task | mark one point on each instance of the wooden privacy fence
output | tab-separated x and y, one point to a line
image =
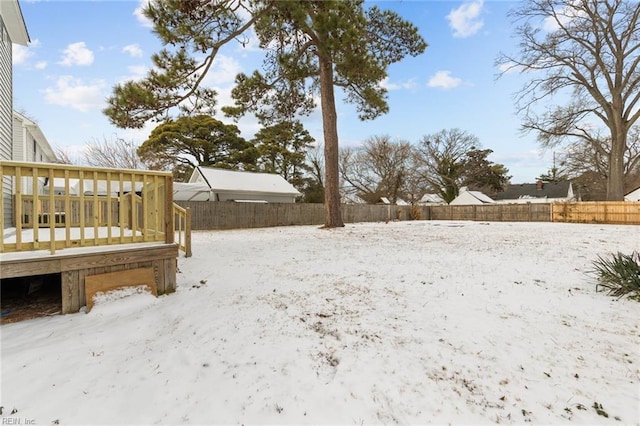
613	212
209	215
55	206
531	212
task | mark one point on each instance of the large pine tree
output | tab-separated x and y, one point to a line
312	46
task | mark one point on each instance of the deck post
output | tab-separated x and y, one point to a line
169	227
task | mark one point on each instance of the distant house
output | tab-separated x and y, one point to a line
633	195
238	186
466	197
89	187
29	143
539	192
428	199
12	30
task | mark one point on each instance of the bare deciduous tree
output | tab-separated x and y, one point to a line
586	163
588	50
376	169
115	153
442	156
62	155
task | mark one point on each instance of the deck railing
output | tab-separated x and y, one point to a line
182	221
56	206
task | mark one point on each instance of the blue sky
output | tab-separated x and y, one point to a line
80	49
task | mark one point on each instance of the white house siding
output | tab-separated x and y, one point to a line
6	93
18	141
29	143
6	108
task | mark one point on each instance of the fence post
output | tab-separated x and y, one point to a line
187	233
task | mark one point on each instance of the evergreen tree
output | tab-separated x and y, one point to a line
312	47
198	141
282	148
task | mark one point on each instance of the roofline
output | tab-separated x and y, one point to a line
242	191
37	134
633	190
14	22
199	169
202	175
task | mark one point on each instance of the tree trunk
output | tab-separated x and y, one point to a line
615	177
333	217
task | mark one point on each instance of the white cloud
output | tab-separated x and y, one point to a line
146	22
133	50
563	16
20	54
223	71
74	93
40	65
408	84
512	67
444	80
77	54
465	20
137	72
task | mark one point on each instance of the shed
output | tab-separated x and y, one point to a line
241	186
466	197
183	191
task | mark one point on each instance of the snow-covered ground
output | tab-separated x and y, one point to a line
408	322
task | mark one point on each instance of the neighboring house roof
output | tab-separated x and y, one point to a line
37	134
14	22
537	190
431	199
471	197
183	191
633	195
223	180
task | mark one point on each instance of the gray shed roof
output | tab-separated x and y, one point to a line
530	190
223	180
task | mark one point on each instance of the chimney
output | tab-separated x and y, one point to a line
539	185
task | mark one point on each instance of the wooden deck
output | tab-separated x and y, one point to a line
74	265
68	222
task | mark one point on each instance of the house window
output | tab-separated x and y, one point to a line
35	150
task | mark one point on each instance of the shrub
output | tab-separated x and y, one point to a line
619	274
415	212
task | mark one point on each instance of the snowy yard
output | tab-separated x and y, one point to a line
408	322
